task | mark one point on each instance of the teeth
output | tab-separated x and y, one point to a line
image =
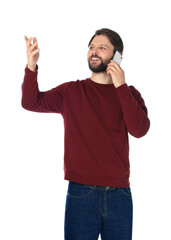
95	59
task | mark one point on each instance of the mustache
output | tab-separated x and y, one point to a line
95	56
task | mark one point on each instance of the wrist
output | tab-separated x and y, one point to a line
120	85
116	84
32	67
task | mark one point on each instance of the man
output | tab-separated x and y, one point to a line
98	113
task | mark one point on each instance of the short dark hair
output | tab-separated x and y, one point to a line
113	37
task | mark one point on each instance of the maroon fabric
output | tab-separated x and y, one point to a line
97	120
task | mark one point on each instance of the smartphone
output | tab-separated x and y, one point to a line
117	58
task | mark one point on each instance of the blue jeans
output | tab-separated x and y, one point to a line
93	210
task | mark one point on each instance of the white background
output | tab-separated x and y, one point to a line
32	185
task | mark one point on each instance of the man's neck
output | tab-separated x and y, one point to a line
101	77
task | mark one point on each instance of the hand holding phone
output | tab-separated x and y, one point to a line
116	72
117	58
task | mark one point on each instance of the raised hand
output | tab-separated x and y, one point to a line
32	52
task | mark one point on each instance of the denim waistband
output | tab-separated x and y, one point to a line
95	186
99	187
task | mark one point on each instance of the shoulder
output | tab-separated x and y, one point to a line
68	87
76	83
134	91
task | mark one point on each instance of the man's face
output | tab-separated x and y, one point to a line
100	53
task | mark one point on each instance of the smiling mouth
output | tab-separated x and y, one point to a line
95	59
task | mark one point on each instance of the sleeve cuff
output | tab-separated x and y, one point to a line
121	89
31	72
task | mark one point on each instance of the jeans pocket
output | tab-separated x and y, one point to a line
76	190
126	191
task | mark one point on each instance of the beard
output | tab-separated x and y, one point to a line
99	67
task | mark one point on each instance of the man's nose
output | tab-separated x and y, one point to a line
94	51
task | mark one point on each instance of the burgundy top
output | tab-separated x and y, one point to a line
97	119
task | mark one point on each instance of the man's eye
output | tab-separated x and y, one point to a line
103	48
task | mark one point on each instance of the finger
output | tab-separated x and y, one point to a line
109	71
34	39
28	42
32	48
113	63
26	39
34	52
109	68
112	68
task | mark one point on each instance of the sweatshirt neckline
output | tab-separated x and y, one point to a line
99	84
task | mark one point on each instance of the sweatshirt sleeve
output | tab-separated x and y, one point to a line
51	101
134	110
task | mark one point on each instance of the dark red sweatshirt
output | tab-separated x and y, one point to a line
97	119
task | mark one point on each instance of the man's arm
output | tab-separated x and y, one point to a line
134	110
133	106
32	98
